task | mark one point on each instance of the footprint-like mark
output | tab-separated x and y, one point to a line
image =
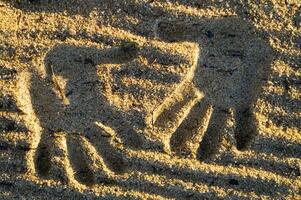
69	100
233	63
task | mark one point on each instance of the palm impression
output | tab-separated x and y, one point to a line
231	66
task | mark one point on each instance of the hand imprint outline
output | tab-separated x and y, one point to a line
70	107
231	67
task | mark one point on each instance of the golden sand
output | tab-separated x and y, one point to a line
162	99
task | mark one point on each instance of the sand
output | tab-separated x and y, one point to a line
162	99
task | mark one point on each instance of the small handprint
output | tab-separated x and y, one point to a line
231	68
72	111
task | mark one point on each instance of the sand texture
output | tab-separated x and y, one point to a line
144	99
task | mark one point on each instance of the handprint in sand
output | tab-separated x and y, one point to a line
78	124
232	63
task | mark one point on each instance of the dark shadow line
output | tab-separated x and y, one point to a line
148	74
280	168
8	104
21	187
288	121
9	125
285	102
258	186
156	55
138	91
171	191
280	148
7	73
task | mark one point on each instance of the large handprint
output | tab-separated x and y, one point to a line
72	111
231	68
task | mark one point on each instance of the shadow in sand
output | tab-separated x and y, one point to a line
8	104
284	101
9	125
280	148
69	100
19	190
281	168
227	181
233	64
7	73
286	121
133	185
169	191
